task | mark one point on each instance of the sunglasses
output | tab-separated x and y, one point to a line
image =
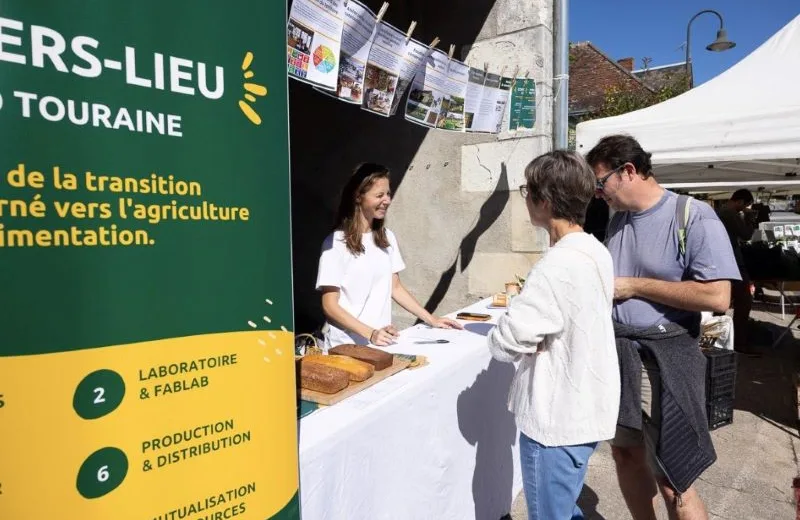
600	184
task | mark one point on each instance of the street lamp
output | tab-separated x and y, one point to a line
722	43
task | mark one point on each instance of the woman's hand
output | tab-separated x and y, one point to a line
384	336
444	323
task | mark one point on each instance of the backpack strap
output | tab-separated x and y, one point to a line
682	217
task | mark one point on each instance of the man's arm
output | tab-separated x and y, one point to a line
690	295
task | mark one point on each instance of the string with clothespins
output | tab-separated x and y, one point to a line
382	12
410	30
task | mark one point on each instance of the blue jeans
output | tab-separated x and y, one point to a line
553	478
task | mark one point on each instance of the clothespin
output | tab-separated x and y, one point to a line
514	77
452	51
435	42
485	67
382	12
503	70
410	30
527	73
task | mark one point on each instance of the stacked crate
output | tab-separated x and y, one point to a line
720	386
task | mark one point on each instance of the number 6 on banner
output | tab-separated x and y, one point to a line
102	472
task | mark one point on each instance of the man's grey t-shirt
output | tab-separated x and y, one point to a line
645	245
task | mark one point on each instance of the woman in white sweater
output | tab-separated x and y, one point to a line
565	394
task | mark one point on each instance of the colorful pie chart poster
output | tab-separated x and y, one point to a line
313	41
146	345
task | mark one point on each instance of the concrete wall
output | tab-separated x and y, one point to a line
462	226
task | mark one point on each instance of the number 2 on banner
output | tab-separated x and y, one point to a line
99	393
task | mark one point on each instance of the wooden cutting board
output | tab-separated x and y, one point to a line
353	388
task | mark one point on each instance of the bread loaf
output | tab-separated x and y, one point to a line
356	370
377	358
321	378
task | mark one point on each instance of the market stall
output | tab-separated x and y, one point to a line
740	127
435	441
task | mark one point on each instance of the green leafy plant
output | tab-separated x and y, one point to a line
621	101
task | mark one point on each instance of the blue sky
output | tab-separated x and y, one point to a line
623	28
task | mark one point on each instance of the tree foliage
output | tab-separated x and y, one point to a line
621	101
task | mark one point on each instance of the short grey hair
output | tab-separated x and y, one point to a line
565	180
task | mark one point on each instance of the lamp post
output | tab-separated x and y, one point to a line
722	43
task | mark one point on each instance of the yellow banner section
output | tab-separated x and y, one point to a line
197	428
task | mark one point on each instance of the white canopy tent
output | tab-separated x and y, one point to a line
741	128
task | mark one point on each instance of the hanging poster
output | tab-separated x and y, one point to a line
492	107
428	90
359	31
472	103
393	61
451	111
146	359
522	106
313	39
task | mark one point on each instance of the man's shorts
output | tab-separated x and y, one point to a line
651	406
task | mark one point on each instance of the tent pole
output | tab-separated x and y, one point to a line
561	76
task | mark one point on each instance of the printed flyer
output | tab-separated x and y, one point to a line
393	61
428	90
473	115
494	97
451	110
522	106
313	40
359	31
146	365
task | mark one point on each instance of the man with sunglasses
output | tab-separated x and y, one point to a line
663	281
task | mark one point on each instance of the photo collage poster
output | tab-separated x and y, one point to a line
392	64
360	27
313	37
438	93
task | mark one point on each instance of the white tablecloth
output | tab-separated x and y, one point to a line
433	443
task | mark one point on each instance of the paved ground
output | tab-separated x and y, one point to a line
757	454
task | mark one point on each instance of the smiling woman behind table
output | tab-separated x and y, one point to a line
359	266
565	394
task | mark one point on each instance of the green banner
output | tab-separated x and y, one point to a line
146	361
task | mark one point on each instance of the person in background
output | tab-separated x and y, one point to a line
565	394
664	280
360	264
739	221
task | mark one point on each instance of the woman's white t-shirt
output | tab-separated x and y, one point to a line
364	282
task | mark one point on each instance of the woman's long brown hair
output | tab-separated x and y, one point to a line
364	176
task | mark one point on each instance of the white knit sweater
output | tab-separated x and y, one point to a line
566	389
